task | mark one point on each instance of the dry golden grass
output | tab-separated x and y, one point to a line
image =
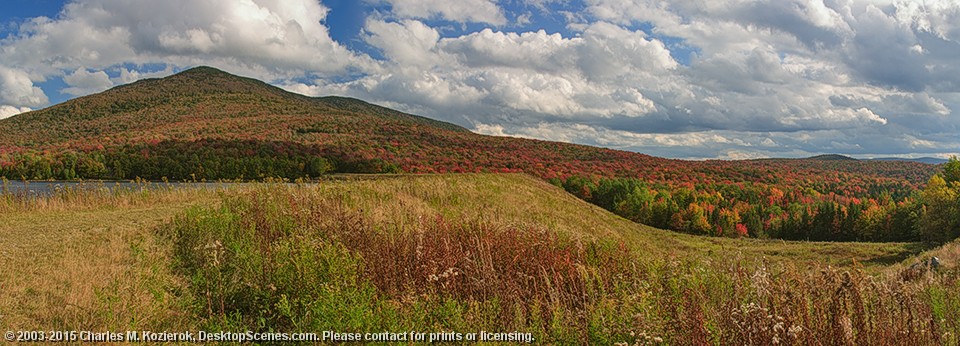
90	261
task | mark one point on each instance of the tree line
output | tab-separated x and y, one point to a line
893	213
189	160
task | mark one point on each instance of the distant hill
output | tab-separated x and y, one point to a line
838	157
831	157
927	160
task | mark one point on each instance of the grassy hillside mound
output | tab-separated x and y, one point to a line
509	253
519	200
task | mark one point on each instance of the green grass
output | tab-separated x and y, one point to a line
437	253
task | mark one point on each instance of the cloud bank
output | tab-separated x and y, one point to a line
688	78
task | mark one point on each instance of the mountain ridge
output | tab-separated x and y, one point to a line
124	105
204	110
831	157
926	160
840	157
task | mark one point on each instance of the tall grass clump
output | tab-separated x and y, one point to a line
312	258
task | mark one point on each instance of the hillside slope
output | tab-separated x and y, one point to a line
197	100
524	201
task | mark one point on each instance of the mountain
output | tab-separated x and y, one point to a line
207	123
204	123
838	157
151	108
831	157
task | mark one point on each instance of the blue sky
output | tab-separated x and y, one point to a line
693	79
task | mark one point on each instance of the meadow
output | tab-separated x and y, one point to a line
454	252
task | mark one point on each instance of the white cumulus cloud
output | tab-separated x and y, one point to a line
476	11
264	38
83	82
7	111
17	89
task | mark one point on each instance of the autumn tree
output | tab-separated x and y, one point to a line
941	222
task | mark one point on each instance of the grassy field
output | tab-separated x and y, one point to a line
466	253
86	260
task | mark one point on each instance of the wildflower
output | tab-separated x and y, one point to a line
847	327
794	331
216	251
